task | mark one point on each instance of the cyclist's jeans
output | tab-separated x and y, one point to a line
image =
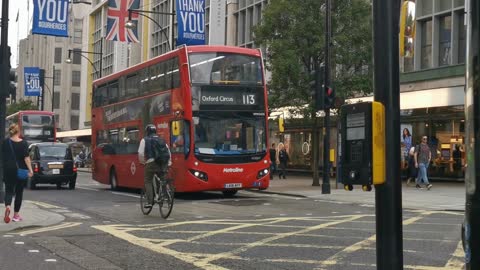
150	169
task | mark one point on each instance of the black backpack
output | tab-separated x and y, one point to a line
160	150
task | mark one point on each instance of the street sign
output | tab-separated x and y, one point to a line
32	81
50	17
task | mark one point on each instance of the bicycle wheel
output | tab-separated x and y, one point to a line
167	195
143	201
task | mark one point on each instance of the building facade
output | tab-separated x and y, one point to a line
64	87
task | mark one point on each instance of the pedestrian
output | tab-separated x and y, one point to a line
411	170
423	155
17	150
283	158
273	160
457	158
407	143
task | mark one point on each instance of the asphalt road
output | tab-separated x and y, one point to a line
106	230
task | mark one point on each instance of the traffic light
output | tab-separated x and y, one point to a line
329	100
281	125
316	86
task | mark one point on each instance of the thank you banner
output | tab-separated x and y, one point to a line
50	17
32	81
191	22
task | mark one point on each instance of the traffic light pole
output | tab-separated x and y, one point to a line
4	82
388	196
326	119
471	226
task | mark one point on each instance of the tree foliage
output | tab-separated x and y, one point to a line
21	105
293	31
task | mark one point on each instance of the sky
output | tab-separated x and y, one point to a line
18	30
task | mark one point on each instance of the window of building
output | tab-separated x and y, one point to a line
442	5
78	23
57	119
75	101
77	57
74	119
58	55
462	38
58	77
425	7
426	43
76	75
77	36
56	101
445	41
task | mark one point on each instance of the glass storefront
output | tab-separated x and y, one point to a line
444	127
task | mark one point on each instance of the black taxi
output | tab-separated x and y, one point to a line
52	163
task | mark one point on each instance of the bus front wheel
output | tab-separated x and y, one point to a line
229	193
113	180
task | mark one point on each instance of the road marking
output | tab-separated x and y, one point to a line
46	205
457	261
19	243
8	235
52	228
51	260
77	215
90	189
33	251
125	194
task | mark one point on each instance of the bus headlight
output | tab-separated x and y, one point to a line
199	174
262	173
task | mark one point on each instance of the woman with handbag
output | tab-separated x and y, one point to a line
17	169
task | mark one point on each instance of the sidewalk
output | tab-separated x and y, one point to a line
443	195
32	216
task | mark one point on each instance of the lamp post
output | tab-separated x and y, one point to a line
130	24
69	59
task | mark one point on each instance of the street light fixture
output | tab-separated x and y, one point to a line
69	59
130	24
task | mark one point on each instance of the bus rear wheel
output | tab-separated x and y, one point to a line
229	193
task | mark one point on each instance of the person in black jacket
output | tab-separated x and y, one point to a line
283	158
19	157
273	160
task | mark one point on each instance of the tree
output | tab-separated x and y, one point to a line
21	105
293	31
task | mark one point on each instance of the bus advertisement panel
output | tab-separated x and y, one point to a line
35	126
210	105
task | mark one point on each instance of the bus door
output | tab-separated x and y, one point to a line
180	148
127	165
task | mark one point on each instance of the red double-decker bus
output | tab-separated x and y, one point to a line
208	102
35	126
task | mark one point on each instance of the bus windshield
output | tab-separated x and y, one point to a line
38	127
229	133
225	68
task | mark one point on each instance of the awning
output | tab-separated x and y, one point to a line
74	133
439	97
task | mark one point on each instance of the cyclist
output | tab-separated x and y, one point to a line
145	156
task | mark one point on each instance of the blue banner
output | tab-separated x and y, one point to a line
32	81
191	22
50	17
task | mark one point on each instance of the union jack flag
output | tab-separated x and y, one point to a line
117	18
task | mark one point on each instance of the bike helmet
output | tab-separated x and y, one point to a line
150	130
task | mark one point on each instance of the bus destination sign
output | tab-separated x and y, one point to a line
228	99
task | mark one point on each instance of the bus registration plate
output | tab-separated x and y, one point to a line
233	185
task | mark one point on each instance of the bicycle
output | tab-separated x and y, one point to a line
164	192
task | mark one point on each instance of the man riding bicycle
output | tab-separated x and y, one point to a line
146	155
